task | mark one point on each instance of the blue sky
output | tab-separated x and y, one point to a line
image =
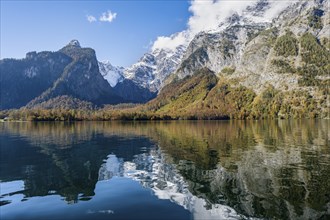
49	25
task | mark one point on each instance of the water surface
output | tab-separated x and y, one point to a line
165	170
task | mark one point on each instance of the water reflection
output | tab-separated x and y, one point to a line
231	169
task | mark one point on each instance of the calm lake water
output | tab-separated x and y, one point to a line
165	170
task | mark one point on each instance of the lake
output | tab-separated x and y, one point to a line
276	169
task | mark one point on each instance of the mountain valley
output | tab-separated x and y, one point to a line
255	64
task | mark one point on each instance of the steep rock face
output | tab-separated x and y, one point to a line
282	44
72	73
250	47
241	47
217	50
111	73
224	46
22	80
278	55
129	90
152	69
80	79
214	49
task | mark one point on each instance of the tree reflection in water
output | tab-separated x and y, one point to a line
267	169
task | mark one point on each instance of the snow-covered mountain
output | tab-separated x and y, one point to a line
272	47
151	70
225	45
125	87
111	73
236	40
244	42
163	60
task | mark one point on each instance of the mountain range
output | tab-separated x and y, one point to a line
269	52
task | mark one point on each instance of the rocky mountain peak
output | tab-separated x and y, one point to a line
31	55
259	8
112	74
74	43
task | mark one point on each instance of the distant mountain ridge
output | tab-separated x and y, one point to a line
225	46
242	45
153	68
274	46
130	90
71	75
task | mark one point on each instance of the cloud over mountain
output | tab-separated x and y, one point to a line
208	14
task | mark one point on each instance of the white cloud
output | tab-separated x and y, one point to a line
108	16
277	7
90	18
172	41
208	14
149	45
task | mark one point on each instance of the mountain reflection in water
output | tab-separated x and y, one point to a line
226	169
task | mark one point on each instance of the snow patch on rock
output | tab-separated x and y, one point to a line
111	73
